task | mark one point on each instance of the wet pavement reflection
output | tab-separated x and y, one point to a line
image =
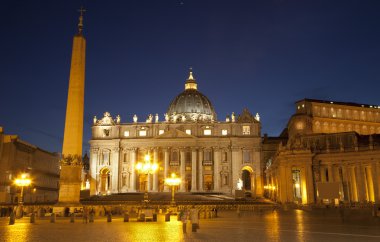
293	225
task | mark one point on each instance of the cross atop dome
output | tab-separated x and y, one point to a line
190	82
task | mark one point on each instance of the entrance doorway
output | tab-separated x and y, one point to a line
105	180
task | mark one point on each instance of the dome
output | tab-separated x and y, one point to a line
191	105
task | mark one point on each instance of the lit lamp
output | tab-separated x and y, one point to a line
173	181
22	182
146	168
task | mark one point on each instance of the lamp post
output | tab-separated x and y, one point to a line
22	182
173	181
146	168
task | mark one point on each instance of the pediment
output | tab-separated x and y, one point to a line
174	133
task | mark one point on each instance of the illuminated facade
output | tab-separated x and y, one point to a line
332	155
42	167
208	155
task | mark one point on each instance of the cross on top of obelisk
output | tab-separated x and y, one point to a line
80	24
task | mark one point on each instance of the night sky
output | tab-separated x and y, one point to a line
263	55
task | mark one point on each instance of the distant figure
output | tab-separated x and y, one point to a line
85	215
183	217
194	218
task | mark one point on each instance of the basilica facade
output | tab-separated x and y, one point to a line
208	155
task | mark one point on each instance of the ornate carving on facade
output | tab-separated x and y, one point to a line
246	117
71	160
105	121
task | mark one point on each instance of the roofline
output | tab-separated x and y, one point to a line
339	103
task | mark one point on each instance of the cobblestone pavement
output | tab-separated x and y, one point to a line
293	225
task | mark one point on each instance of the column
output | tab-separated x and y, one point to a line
132	183
310	184
193	170
330	172
360	183
166	168
282	184
114	159
183	171
235	165
155	175
289	184
376	181
370	184
200	170
93	170
217	161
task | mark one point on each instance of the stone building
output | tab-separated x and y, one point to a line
208	155
42	167
332	155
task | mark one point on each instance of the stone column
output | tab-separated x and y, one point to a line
330	172
236	160
217	161
376	181
132	183
114	159
370	184
289	184
193	170
166	168
310	184
183	171
94	169
155	175
200	170
360	184
282	184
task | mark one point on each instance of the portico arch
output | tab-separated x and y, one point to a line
104	180
248	178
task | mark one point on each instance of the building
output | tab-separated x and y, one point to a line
42	167
332	155
208	155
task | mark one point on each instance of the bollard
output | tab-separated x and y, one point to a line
109	217
167	217
194	227
155	217
126	217
72	218
52	218
91	217
12	218
32	218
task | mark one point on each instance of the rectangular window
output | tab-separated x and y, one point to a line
188	131
161	131
126	133
142	133
246	129
224	132
207	132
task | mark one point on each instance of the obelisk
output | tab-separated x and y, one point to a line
71	162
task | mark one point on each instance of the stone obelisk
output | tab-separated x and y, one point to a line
71	162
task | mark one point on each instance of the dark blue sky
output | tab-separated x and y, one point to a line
263	55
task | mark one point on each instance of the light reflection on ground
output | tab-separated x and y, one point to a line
268	226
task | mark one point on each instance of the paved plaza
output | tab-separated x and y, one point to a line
292	225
